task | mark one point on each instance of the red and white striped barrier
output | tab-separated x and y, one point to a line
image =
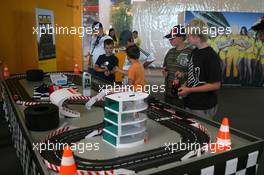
56	168
94	133
198	125
52	166
58	131
80	97
30	103
19	76
83	172
65	73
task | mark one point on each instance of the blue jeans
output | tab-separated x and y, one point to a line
208	113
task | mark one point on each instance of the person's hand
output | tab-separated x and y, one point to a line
104	67
88	55
184	91
117	69
107	73
176	83
165	72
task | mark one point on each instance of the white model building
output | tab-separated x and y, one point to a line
125	124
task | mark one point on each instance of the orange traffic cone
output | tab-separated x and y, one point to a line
68	166
6	73
223	140
77	70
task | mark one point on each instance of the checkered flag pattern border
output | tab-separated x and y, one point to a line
245	165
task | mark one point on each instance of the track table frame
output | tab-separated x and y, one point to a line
32	162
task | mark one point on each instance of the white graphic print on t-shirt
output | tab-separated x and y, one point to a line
194	75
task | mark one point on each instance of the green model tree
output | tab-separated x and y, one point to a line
122	17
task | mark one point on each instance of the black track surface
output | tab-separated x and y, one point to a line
138	161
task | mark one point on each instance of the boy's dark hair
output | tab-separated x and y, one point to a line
124	37
136	32
108	42
97	24
133	52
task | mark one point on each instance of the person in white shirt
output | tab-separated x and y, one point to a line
97	43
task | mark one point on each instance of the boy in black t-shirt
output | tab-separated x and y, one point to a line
106	63
204	74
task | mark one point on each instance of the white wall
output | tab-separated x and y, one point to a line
105	13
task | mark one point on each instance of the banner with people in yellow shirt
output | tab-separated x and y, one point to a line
238	45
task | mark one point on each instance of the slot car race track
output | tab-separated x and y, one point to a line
190	131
